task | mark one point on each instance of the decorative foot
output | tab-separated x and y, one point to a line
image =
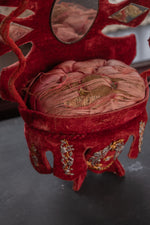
77	183
117	168
137	141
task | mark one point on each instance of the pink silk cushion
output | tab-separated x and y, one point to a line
85	88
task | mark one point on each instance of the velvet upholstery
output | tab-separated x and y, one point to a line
77	143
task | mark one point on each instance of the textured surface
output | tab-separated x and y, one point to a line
93	45
27	197
86	88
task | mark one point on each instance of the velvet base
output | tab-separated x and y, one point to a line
82	147
83	143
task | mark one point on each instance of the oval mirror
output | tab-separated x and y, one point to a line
71	19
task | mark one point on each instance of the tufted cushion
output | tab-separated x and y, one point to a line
86	88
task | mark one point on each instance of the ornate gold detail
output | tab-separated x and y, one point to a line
35	160
100	166
34	156
33	148
117	146
67	159
141	132
103	159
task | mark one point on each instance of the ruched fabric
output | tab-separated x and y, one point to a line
86	88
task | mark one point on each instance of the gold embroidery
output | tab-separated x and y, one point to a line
141	132
99	159
115	144
100	166
67	159
34	155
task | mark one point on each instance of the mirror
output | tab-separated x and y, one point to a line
129	13
70	21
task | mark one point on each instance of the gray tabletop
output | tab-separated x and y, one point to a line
29	198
